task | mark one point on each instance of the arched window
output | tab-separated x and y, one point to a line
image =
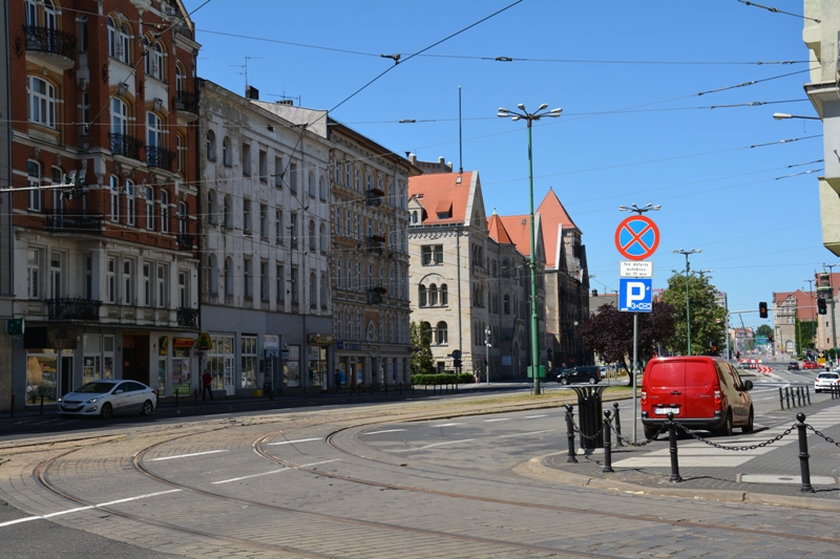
41	104
213	275
112	37
227	155
212	208
325	291
444	295
164	211
422	296
153	59
154	141
120	143
228	277
322	238
322	189
313	241
182	218
311	184
441	334
433	295
119	41
180	80
211	145
313	291
228	212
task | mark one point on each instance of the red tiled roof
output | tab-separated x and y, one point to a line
442	196
518	228
805	303
554	219
496	230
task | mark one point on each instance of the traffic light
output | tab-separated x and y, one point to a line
762	309
821	306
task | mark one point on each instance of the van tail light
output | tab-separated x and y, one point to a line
644	396
717	396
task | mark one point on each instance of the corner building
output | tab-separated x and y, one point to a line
105	267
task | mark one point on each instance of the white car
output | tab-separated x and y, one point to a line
106	397
826	381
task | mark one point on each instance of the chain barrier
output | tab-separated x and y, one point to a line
823	435
618	435
719	446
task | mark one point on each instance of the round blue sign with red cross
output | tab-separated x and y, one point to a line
637	237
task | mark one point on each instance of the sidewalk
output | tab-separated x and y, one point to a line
760	467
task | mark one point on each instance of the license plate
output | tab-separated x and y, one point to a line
666	411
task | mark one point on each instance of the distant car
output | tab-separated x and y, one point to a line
810	365
107	397
793	366
584	373
826	381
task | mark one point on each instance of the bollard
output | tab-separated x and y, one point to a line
804	469
607	443
781	398
787	395
617	425
798	394
672	442
570	434
808	394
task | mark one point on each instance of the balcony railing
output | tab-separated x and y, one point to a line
78	221
73	309
186	101
123	144
159	157
185	241
49	40
187	317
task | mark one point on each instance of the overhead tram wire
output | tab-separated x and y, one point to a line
776	10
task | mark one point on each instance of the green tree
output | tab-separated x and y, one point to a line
420	337
764	330
609	332
708	319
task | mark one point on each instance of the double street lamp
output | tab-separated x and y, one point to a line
686	253
530	117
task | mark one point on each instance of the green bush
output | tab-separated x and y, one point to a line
441	378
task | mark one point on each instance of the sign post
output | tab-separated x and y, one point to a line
636	238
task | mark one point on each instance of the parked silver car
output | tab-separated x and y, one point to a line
106	397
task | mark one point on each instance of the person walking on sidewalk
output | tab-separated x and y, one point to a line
206	381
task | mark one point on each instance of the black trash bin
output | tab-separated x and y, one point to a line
590	416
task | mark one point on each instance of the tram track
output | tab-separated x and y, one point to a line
44	469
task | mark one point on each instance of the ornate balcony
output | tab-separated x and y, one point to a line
186	103
73	309
75	221
159	157
56	46
123	144
187	317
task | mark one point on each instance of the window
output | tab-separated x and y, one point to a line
88	288
247	273
182	218
150	208
164	211
263	221
325	290
313	291
441	334
444	295
246	216
311	184
227	212
322	238
433	295
162	280
180	154
228	277
33	273
147	285
124	45
248	351
281	284
246	160
114	184
41	102
211	145
183	289
263	166
180	80
339	172
293	180
322	189
111	280
31	15
264	284
348	175
278	172
153	59
213	274
293	229
422	296
278	226
293	286
154	140
127	282
227	156
130	203
212	208
431	255
313	240
112	37
33	181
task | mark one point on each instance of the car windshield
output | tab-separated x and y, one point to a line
95	387
829	375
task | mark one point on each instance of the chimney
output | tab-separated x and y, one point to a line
413	158
252	92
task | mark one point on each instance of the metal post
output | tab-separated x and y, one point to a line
808	394
570	435
607	443
781	398
532	264
787	395
487	354
635	370
672	443
804	469
617	424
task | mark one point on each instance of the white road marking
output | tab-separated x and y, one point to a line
186	455
536	416
496	419
447	424
89	507
383	431
295	441
278	470
432	445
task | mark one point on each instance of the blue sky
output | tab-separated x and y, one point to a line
652	112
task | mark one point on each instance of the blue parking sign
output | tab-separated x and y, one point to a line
635	294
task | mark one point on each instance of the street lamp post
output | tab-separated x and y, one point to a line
523	114
686	253
786	116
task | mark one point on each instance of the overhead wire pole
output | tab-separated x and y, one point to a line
532	262
686	253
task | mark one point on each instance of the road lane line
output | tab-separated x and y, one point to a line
186	455
274	471
432	445
295	441
383	431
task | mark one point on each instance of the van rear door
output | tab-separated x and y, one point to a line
701	382
664	389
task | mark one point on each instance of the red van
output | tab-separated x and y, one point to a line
702	392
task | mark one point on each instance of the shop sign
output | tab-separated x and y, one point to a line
204	343
183	342
319	339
